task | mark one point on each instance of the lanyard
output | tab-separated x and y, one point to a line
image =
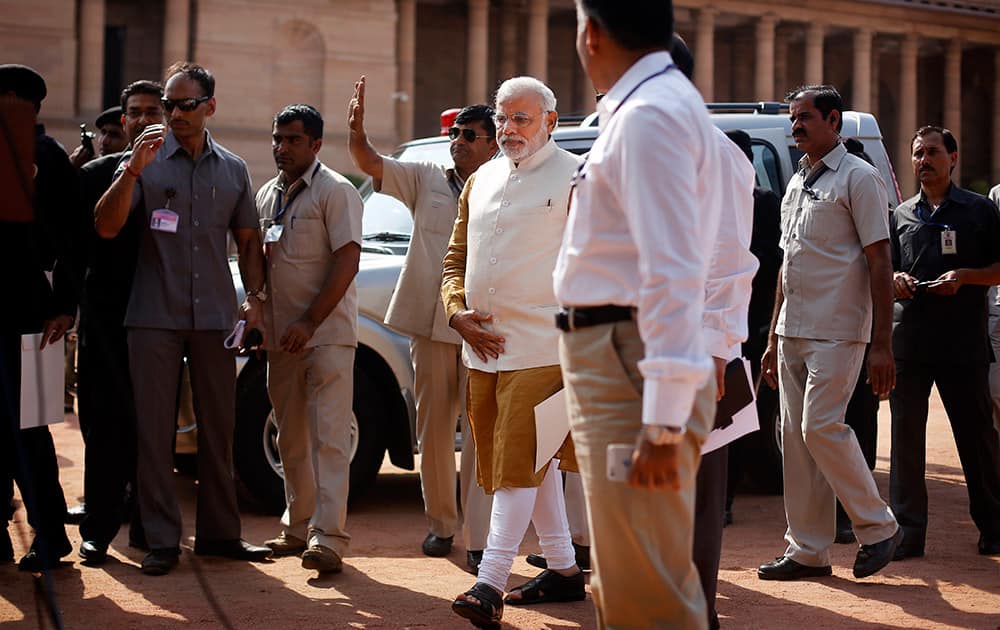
639	85
283	209
925	221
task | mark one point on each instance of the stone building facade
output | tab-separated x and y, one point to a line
910	62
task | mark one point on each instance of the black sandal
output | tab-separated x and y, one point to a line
487	613
549	586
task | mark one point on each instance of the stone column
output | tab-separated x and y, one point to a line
953	97
907	98
704	54
406	42
781	86
996	117
176	32
478	52
538	39
862	80
508	40
814	53
90	89
876	73
764	83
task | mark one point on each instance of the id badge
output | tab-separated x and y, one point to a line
949	244
164	220
273	234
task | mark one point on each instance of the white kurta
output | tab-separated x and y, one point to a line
517	214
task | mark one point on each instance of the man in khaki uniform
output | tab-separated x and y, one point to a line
834	294
311	220
431	192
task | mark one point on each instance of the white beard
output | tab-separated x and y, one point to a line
530	146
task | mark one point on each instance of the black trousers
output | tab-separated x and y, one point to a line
862	417
107	421
709	505
965	393
28	457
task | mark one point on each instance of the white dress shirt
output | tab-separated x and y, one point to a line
731	272
642	228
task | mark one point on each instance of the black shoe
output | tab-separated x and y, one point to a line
549	586
989	547
160	561
582	558
845	536
784	568
872	558
437	547
35	561
233	549
76	514
904	551
93	553
472	561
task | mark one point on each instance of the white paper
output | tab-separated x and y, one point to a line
744	421
551	427
43	382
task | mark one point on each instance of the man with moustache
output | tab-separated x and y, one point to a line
496	291
945	256
631	277
311	220
431	193
106	406
834	294
189	192
111	138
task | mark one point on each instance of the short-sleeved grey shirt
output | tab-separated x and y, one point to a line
182	280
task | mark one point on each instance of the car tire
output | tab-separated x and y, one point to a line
760	451
255	448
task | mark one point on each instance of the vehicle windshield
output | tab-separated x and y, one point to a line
386	218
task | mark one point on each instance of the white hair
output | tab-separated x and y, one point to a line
518	85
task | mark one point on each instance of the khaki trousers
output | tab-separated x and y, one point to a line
576	509
821	457
312	393
439	383
641	540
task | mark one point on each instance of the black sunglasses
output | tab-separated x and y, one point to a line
183	104
469	134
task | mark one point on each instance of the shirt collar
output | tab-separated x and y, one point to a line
172	146
832	159
306	177
952	195
647	65
536	158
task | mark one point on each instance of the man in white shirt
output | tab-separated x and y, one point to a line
498	296
631	276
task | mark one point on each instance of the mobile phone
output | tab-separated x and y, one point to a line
619	461
934	283
86	138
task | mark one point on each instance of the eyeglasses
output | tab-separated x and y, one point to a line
469	134
518	120
183	104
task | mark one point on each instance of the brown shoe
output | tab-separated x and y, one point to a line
285	545
322	559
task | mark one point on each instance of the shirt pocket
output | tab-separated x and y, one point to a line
440	214
305	239
825	220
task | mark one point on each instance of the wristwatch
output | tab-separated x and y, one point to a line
659	435
258	295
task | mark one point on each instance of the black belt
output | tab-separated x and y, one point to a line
571	318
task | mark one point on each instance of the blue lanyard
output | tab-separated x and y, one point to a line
283	209
924	221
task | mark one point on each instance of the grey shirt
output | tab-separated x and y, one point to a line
182	279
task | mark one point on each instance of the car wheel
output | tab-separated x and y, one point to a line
369	448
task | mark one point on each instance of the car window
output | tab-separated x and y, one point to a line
387	215
765	163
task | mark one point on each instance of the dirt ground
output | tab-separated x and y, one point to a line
388	583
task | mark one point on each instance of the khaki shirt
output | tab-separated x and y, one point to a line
823	231
503	252
430	191
322	218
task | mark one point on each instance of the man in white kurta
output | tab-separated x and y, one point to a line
498	295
